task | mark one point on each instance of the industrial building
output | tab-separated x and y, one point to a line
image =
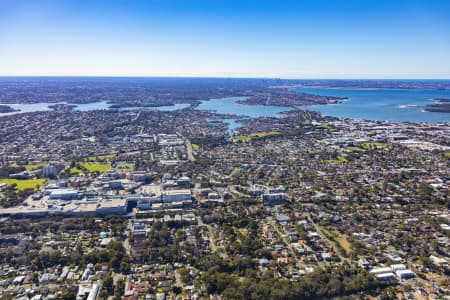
176	195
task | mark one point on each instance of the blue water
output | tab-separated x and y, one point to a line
389	105
221	106
383	104
92	106
230	106
26	108
162	108
232	124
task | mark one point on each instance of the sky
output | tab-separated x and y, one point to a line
226	38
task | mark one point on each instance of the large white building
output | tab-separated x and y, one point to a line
114	206
64	194
176	195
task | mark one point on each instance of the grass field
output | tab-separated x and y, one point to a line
195	146
32	167
125	166
91	167
25	183
339	159
345	244
447	154
75	170
373	145
100	157
263	134
339	240
248	138
242	138
355	149
97	167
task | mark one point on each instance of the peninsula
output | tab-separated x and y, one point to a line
7	109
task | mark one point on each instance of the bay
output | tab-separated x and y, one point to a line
404	105
230	105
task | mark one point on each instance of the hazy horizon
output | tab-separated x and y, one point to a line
222	77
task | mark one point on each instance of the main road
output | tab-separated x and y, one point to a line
188	147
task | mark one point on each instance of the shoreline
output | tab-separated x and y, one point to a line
306	105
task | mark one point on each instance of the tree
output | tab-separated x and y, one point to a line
108	284
68	295
119	289
125	265
177	290
184	275
35	278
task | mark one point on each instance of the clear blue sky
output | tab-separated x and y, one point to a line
279	38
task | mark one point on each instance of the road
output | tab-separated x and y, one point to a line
126	241
178	281
323	236
212	239
188	147
274	225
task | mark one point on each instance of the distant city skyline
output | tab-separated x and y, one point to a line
287	39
